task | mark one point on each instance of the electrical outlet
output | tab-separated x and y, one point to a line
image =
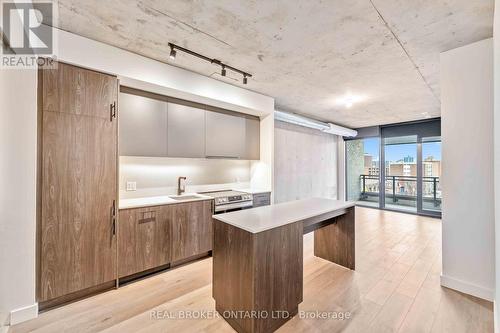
131	186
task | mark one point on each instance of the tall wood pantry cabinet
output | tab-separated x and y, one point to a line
77	183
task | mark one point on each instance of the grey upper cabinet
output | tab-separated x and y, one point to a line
143	126
225	135
186	131
150	126
252	139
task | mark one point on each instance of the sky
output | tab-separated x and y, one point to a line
397	152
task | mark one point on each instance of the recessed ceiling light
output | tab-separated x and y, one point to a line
348	100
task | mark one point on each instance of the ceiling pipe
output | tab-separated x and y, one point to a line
330	128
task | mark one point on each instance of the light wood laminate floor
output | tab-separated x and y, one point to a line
395	288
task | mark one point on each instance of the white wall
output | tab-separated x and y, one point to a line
496	124
18	130
18	146
305	163
262	172
467	174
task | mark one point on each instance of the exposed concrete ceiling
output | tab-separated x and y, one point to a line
305	54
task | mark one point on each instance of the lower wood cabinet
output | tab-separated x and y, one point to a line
155	236
191	229
143	239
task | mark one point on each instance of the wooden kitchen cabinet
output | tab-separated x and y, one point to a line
153	237
191	229
186	131
144	240
77	183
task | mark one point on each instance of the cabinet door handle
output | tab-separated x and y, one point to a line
113	218
147	220
112	111
147	217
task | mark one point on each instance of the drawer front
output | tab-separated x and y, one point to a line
261	199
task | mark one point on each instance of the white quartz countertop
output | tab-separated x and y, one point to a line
260	219
167	200
158	201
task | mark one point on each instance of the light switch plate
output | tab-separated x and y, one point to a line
131	186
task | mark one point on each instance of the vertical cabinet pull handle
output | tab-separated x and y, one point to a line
113	218
112	111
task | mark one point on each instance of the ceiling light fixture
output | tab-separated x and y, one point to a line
174	47
348	100
173	53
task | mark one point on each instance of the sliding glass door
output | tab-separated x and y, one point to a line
400	156
400	169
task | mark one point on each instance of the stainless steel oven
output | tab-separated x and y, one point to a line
228	201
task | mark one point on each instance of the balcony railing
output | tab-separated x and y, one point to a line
401	190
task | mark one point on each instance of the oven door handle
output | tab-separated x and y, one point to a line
243	204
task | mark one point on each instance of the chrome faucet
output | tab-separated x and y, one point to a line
181	186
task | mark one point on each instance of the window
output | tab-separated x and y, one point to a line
409	164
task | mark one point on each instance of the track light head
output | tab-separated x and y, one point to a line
245	80
173	53
223	71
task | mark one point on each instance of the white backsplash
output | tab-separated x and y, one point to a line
156	176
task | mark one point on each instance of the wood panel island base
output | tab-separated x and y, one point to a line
258	258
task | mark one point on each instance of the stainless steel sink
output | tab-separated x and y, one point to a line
185	197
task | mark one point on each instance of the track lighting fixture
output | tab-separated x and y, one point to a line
174	48
173	53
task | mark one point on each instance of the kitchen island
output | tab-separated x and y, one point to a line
258	258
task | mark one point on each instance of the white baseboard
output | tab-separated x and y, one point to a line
23	314
467	288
